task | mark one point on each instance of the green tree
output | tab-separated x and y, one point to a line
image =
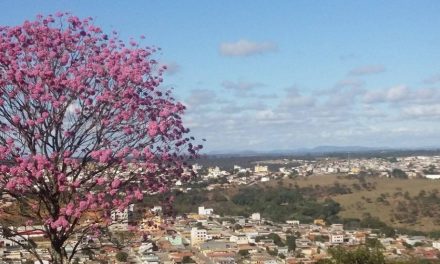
122	256
243	252
373	243
276	239
360	255
238	227
398	173
187	259
291	243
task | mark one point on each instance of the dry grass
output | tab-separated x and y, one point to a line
356	204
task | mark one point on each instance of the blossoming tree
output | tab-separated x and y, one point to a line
84	128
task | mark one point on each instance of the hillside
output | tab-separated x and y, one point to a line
409	204
413	204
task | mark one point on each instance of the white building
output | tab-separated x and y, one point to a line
123	216
436	244
205	211
337	228
196	167
236	167
293	222
214	172
336	238
265	179
198	236
240	240
156	209
256	217
433	176
261	169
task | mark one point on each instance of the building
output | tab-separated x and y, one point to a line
198	236
214	172
240	239
261	169
205	211
196	167
320	222
157	209
337	228
123	216
265	179
337	238
256	217
293	222
433	176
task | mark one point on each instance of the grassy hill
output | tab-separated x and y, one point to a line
410	204
413	204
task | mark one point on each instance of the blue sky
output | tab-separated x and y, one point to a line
263	75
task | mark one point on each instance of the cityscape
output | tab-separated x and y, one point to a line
147	234
219	132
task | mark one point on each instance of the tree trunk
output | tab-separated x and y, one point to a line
58	257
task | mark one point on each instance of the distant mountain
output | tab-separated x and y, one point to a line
315	150
337	149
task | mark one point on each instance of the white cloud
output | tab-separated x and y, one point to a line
372	97
367	70
345	114
426	94
422	110
393	94
245	47
349	82
432	79
294	99
200	97
398	93
241	88
234	108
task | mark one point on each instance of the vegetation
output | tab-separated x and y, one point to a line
276	239
398	173
384	204
291	243
278	204
187	259
382	198
121	256
243	252
365	255
360	255
77	105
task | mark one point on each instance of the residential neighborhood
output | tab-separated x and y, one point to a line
147	235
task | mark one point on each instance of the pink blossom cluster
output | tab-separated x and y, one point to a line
84	124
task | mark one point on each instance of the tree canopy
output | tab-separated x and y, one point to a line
85	127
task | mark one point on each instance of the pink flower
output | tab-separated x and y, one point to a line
111	88
69	209
16	119
138	194
153	129
60	222
83	205
100	181
116	183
